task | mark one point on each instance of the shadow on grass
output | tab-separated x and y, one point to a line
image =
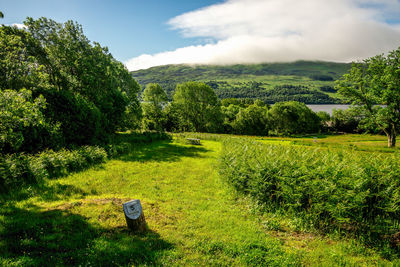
38	237
46	192
162	151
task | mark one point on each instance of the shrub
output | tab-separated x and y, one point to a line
345	189
80	120
17	170
293	118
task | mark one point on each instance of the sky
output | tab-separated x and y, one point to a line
146	33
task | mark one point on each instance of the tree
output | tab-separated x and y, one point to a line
252	120
346	120
229	114
325	119
1	15
155	94
82	67
154	98
23	126
292	118
199	107
20	66
374	84
89	95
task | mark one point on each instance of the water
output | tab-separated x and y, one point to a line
327	107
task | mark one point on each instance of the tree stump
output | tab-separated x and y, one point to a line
134	215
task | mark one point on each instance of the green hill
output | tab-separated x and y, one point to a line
304	81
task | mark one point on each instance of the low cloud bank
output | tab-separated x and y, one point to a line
255	31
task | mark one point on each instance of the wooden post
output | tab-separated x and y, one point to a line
134	215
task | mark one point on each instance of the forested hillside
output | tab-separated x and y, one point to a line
303	81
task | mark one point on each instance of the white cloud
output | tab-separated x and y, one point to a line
254	31
19	26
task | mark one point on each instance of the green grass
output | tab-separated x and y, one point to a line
193	218
359	142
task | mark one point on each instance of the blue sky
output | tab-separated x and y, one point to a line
128	28
146	33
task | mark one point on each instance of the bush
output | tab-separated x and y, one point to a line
17	170
344	189
346	120
293	118
80	120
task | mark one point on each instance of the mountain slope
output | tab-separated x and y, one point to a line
304	81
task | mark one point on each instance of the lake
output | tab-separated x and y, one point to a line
327	107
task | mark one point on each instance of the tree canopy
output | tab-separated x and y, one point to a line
293	118
374	84
86	92
199	107
154	98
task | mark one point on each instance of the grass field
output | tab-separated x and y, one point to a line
193	218
360	142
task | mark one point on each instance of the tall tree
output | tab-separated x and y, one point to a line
1	15
154	98
374	84
88	93
199	107
77	65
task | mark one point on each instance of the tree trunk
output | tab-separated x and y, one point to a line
391	135
391	140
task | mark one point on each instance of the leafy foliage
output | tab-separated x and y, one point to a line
374	84
252	120
329	188
18	170
155	99
346	120
89	95
293	118
23	126
198	106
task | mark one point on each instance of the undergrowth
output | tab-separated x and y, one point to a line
329	190
19	170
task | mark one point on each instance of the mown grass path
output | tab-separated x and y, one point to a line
192	218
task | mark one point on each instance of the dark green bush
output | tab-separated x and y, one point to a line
292	118
17	170
80	120
329	188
